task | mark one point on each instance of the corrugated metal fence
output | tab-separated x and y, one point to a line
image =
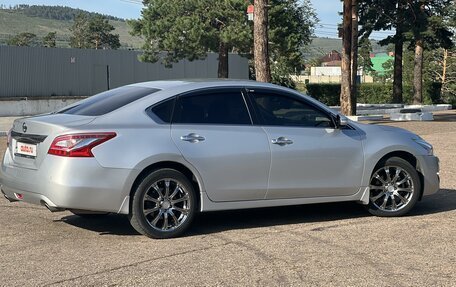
37	71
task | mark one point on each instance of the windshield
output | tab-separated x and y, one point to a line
108	101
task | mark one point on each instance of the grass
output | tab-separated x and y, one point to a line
12	23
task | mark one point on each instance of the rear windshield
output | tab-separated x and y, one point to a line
108	101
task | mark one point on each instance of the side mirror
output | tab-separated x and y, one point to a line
341	121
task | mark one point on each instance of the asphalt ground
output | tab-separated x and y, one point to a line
309	245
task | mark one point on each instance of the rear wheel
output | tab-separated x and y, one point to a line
163	205
394	188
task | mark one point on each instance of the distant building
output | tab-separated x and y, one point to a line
325	71
379	59
330	69
332	59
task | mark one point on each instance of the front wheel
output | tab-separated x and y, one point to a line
394	188
163	205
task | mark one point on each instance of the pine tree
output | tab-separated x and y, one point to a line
49	40
23	39
93	33
189	29
364	60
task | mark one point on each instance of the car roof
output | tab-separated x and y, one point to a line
200	83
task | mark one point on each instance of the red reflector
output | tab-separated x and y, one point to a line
78	145
19	196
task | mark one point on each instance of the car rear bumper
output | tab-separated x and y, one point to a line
65	183
429	167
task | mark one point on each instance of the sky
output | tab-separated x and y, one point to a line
327	11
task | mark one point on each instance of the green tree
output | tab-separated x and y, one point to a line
99	34
375	15
49	40
429	31
189	29
175	30
364	59
419	22
440	64
80	32
291	25
23	39
93	33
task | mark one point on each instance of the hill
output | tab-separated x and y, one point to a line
322	46
40	20
14	21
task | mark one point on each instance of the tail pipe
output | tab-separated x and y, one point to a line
9	199
51	208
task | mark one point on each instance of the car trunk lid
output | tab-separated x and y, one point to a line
32	137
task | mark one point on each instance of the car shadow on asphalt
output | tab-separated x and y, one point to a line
215	222
112	224
445	118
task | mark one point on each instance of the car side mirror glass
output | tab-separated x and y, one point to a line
341	121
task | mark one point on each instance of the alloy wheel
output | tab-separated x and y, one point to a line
391	188
166	204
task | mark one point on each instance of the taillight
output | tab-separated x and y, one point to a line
8	138
78	145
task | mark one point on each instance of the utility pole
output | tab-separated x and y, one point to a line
346	83
260	41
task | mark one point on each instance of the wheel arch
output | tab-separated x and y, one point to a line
192	176
407	156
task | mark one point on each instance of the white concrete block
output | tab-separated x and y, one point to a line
30	106
423	116
366	118
429	108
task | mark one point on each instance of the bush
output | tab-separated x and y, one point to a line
374	93
328	94
434	92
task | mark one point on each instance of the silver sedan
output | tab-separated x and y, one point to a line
162	151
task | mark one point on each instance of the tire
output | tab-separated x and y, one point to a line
395	188
89	214
163	204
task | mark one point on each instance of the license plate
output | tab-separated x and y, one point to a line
28	150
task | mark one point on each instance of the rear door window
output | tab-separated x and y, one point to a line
225	107
108	101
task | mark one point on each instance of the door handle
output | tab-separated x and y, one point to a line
281	141
192	138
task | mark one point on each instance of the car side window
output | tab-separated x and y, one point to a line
162	112
279	110
213	107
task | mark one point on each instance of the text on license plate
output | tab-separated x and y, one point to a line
26	149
